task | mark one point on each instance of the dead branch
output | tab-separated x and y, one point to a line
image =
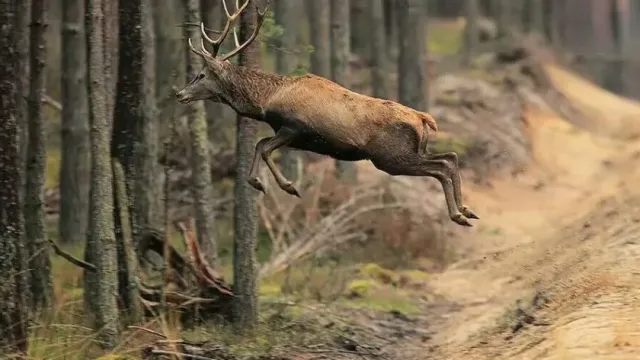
75	261
147	330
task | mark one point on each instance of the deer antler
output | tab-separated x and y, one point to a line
231	18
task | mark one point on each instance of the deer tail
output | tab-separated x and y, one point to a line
431	124
429	120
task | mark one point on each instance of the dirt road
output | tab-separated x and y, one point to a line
553	272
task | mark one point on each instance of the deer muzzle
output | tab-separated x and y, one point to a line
183	97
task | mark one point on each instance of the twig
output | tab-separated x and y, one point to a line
175	353
71	258
147	330
48	100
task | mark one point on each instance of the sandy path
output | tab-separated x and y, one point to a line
561	243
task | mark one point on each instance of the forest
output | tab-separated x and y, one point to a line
132	225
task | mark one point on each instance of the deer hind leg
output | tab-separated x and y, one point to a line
264	148
414	165
452	158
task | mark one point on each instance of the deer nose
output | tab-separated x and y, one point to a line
179	94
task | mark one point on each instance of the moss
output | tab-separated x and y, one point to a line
416	275
379	273
269	289
52	169
444	37
360	287
384	302
449	144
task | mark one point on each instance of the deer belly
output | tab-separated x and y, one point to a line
335	149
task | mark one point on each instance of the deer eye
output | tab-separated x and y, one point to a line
200	76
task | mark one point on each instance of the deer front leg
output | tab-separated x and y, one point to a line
264	148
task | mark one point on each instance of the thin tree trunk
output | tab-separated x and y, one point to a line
361	29
471	37
103	250
340	51
379	51
503	20
13	313
41	292
245	304
411	68
319	15
127	257
75	167
287	16
202	188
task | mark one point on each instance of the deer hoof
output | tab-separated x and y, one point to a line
468	212
461	220
257	184
289	188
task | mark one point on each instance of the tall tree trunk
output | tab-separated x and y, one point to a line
135	136
471	37
24	20
41	292
319	15
359	34
202	188
536	17
411	68
170	63
391	28
219	116
13	313
245	304
75	167
504	9
101	243
340	51
108	15
287	14
379	51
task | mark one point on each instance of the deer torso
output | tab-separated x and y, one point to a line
333	120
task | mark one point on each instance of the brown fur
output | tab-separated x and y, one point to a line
315	114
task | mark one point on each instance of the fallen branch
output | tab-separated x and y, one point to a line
147	330
75	261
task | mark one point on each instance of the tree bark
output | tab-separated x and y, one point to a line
101	242
319	15
287	16
75	167
536	17
379	51
13	285
340	52
245	272
202	188
41	292
411	69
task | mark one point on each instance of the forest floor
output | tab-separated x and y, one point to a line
549	272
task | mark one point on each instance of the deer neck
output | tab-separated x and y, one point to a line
247	90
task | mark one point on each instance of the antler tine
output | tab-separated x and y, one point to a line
261	16
194	50
231	18
235	37
226	10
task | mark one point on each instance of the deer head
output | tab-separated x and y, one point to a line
210	81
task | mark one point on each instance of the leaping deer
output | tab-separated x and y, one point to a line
314	114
